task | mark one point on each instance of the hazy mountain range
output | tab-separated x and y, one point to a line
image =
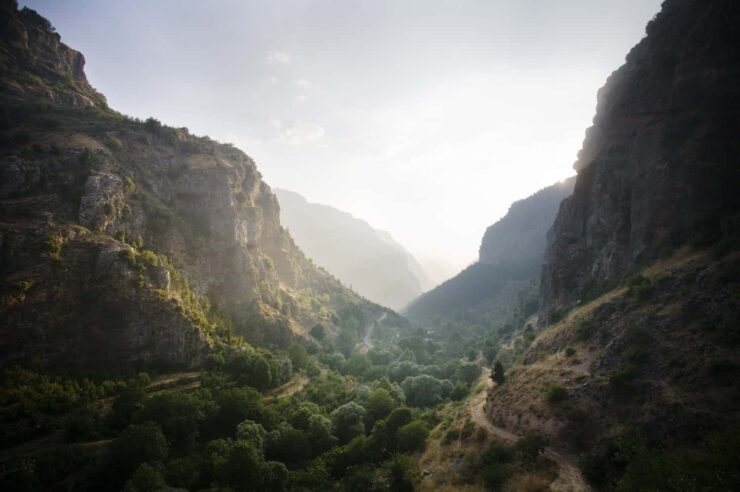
367	259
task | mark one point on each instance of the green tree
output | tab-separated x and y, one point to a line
137	444
298	356
412	436
379	405
180	415
288	445
348	421
251	431
468	373
422	391
146	478
235	406
319	433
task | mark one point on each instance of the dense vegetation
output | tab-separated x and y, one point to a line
252	420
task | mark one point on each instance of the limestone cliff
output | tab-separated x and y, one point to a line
126	243
659	165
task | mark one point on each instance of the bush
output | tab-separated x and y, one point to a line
498	374
412	436
570	351
298	356
468	373
555	393
459	392
529	447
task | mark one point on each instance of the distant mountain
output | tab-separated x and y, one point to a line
368	260
508	269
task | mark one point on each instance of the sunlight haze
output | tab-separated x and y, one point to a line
425	119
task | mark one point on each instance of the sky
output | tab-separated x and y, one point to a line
426	118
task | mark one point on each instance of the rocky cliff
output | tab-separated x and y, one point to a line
659	165
489	291
124	242
359	255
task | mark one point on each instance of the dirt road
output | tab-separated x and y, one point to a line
569	477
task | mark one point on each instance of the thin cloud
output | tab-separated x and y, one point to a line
302	133
276	57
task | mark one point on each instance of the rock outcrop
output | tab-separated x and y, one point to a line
659	165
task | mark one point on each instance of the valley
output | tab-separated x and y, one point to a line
163	329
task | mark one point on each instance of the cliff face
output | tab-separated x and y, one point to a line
520	236
659	165
489	291
365	258
130	243
36	65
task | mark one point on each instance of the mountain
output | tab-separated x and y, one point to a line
635	364
127	243
367	259
659	165
507	272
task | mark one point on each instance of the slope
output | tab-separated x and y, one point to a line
488	292
367	259
128	243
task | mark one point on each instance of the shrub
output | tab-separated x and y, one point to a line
412	436
459	392
570	351
529	447
298	356
555	393
498	374
467	430
467	373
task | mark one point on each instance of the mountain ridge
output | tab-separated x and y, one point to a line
368	259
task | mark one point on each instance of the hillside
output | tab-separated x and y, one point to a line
365	258
128	243
633	369
506	275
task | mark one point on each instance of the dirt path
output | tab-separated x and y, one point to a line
367	343
291	387
569	477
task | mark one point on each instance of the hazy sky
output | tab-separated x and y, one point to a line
425	118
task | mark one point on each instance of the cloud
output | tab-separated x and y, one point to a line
302	133
277	57
301	98
302	83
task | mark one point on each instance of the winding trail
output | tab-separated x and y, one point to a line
366	343
569	476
